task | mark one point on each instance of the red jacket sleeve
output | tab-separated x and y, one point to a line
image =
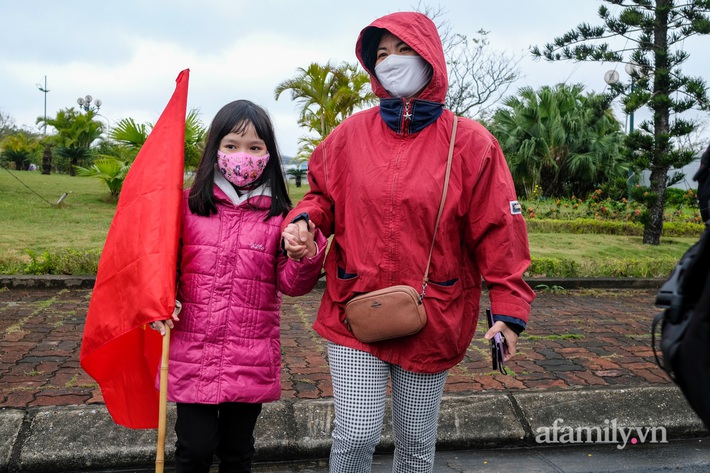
316	202
497	235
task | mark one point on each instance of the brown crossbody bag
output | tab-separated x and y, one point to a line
396	311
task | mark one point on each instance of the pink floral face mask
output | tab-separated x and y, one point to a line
241	169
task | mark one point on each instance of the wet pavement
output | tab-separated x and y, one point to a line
575	339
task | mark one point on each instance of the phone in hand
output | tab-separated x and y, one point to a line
497	346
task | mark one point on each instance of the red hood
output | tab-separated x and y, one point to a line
419	32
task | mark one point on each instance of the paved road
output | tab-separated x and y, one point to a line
687	456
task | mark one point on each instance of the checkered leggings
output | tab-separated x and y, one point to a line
359	389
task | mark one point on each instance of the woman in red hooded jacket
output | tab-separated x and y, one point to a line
376	185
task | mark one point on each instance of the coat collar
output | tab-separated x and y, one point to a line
229	193
410	116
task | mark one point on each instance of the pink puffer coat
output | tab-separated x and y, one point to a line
226	346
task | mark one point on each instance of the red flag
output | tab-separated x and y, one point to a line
136	280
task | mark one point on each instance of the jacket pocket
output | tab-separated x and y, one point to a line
346	276
448	283
444	290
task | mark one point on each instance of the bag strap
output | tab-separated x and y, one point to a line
425	283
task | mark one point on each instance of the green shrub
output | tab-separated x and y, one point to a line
635	268
10	265
585	225
659	267
677	197
610	227
553	267
600	205
66	261
682	229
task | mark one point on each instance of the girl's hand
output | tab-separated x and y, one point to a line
159	325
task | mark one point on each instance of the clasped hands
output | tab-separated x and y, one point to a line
299	240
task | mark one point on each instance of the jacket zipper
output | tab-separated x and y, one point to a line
406	121
406	116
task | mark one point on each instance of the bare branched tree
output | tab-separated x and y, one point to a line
479	76
7	125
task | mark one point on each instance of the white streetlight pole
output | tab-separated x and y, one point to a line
612	77
44	90
632	69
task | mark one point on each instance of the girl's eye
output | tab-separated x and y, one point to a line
381	55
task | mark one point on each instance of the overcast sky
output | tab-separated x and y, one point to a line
129	52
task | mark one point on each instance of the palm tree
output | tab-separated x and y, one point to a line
195	134
75	133
298	175
110	170
130	134
133	135
560	139
327	95
19	148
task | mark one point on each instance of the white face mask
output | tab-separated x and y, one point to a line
403	76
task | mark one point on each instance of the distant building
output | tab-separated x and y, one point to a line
687	183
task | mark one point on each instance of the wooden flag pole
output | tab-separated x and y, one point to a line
163	411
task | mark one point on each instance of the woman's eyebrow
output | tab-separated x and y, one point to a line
396	45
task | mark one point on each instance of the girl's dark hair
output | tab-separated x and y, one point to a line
236	117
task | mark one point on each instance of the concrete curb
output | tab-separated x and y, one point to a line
84	437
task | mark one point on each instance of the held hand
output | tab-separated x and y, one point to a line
310	236
510	338
298	240
159	325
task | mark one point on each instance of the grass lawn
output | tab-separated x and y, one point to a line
569	246
31	220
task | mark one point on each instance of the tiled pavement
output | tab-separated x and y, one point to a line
575	339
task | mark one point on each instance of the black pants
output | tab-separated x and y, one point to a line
205	430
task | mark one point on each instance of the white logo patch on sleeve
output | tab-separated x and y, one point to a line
515	208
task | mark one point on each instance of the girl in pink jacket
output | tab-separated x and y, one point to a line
225	353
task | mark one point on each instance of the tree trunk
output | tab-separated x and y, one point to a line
654	227
298	181
47	160
661	117
74	162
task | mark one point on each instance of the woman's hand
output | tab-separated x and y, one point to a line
511	339
298	240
